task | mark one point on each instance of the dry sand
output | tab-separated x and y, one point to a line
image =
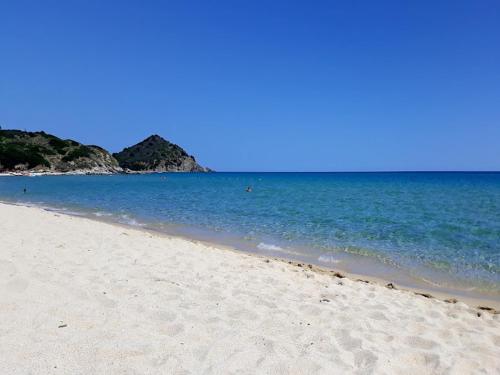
83	297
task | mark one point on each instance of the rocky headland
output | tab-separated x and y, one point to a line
156	154
23	152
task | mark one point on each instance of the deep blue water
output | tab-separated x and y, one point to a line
446	223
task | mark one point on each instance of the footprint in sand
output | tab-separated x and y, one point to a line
310	310
496	340
7	269
172	297
429	361
200	353
172	329
164	316
346	341
17	285
377	315
105	301
215	285
263	302
243	314
262	343
419	342
365	359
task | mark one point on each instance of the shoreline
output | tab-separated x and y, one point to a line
393	263
78	172
83	296
85	172
480	302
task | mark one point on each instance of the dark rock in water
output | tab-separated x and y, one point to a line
41	152
390	286
338	274
426	295
486	308
155	154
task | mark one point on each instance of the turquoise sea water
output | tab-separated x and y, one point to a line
443	227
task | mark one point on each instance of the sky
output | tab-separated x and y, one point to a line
262	85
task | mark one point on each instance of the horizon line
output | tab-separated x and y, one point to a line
381	171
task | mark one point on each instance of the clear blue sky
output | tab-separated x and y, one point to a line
262	85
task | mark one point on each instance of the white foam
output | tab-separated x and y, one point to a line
328	259
100	214
266	246
129	221
276	248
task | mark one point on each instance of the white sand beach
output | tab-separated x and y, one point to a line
79	296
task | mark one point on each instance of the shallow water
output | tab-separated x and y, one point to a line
443	227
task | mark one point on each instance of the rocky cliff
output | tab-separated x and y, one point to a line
42	152
155	154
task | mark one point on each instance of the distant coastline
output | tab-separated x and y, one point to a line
86	172
83	172
40	153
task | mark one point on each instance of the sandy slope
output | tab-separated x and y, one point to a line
83	297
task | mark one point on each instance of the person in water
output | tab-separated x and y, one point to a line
249	189
24	190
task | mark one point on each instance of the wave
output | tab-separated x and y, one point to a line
265	246
100	214
276	248
125	219
328	259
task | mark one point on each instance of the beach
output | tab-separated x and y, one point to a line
80	296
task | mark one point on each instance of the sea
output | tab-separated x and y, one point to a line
440	230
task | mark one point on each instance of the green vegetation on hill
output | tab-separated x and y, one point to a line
59	145
12	154
79	152
28	150
157	154
23	151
